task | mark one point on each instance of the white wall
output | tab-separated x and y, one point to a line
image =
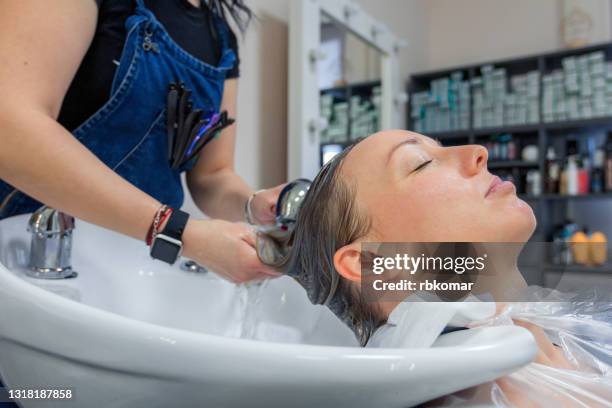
468	31
407	19
262	101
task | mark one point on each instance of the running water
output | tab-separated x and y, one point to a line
264	313
250	297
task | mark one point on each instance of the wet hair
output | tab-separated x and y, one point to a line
329	219
238	10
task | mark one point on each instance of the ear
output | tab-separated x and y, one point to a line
347	261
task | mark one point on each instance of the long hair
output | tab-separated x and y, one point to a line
237	9
329	219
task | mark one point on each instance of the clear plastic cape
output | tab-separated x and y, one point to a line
580	327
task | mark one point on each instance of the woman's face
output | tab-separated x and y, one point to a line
415	190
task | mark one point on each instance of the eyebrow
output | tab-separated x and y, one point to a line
411	141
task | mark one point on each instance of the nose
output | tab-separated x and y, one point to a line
473	159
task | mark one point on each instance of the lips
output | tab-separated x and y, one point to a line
498	185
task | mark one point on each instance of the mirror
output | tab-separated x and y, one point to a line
343	81
349	77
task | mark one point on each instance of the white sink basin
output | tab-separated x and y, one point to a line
132	332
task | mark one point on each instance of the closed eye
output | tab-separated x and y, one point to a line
421	166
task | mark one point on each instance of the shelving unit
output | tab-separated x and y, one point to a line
549	208
501	164
344	94
471	134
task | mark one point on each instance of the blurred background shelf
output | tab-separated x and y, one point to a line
505	129
500	164
591	196
452	134
581	123
605	121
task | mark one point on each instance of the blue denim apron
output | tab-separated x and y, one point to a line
128	133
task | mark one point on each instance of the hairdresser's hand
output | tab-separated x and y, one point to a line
227	248
263	205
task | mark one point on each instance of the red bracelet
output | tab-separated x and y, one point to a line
160	217
162	220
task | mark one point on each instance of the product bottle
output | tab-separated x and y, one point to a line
512	149
534	183
552	172
496	149
584	169
563	180
598	248
608	166
537	183
490	149
572	176
580	248
503	148
597	174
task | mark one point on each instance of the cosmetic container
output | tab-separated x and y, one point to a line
552	172
530	153
534	183
598	248
512	149
572	176
608	165
580	247
597	173
583	176
563	180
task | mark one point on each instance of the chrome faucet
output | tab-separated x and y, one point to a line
51	246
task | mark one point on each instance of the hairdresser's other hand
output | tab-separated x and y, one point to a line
227	248
263	205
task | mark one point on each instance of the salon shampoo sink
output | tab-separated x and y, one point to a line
132	332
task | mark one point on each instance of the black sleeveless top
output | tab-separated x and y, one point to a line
191	27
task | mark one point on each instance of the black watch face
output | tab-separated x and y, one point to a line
165	251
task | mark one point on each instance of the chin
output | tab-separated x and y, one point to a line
523	226
528	216
514	225
523	219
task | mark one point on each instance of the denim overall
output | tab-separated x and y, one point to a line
128	133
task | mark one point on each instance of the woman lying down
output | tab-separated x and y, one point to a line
399	186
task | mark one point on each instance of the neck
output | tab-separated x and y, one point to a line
195	3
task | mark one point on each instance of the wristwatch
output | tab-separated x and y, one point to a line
167	245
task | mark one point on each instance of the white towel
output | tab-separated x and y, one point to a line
415	323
